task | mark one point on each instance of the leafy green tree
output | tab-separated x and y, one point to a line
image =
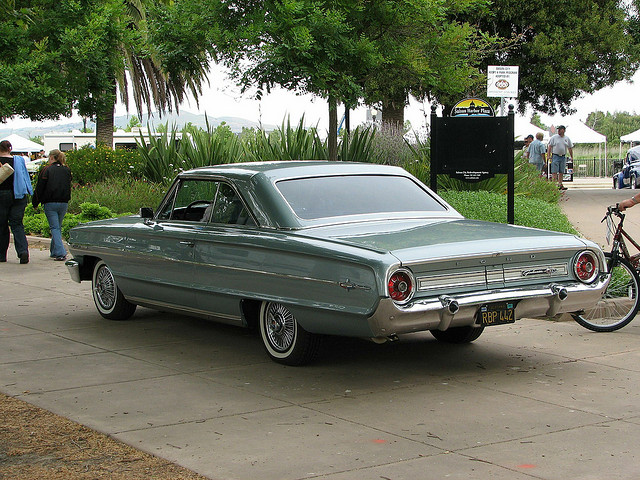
613	125
424	51
537	121
377	51
80	54
564	48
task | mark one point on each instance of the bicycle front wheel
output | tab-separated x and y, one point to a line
620	301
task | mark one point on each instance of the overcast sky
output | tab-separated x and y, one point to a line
222	99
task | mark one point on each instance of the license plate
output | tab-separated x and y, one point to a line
496	314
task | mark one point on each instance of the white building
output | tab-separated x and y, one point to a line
76	139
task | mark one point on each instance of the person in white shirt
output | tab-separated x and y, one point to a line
557	151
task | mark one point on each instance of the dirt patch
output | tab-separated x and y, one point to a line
38	445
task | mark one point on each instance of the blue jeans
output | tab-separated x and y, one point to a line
55	213
11	215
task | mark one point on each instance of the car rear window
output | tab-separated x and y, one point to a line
336	196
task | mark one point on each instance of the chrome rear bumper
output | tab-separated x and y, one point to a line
443	312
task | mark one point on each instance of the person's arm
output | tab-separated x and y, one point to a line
40	187
629	202
571	152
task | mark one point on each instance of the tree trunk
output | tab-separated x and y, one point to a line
333	128
104	126
393	113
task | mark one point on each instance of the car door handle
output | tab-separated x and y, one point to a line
187	243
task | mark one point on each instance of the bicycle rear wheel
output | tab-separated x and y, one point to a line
620	301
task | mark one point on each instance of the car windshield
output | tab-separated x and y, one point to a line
336	196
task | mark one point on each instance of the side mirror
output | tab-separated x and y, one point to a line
146	213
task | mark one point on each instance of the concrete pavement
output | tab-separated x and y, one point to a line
585	203
538	399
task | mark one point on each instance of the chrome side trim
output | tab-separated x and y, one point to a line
222	317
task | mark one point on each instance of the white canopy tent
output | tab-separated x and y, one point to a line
23	145
632	137
522	127
578	132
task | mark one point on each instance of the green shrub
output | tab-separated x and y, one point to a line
285	143
120	195
89	165
35	222
93	211
529	212
212	146
390	148
160	158
357	146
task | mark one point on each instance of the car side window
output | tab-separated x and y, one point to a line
192	201
229	209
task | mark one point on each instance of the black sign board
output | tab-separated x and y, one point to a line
472	149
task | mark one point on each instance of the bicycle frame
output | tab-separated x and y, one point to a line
619	245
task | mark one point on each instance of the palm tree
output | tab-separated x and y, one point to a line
150	84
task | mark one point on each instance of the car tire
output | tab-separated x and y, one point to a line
108	298
632	181
458	334
284	339
615	183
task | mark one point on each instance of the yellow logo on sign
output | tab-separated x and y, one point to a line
472	107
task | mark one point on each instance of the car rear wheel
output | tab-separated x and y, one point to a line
108	298
615	182
632	181
458	334
285	341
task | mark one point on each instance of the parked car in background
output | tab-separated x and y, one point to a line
629	176
305	250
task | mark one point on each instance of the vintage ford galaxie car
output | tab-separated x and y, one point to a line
303	250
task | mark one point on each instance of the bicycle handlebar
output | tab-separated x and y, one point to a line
613	210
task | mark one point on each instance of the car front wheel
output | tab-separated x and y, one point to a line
632	181
108	298
285	341
458	334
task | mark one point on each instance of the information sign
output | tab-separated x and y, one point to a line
502	81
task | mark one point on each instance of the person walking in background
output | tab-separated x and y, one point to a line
557	151
53	191
13	200
527	143
537	152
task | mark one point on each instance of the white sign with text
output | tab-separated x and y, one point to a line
502	81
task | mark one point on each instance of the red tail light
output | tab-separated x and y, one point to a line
400	286
586	267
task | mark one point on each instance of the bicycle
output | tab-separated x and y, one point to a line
621	300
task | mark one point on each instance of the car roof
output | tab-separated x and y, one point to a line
278	170
256	182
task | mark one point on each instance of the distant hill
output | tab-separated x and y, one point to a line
235	123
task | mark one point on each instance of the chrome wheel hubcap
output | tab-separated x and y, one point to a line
280	327
105	288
